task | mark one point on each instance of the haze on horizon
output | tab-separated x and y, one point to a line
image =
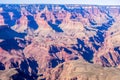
90	2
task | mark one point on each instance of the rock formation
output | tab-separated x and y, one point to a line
80	70
36	39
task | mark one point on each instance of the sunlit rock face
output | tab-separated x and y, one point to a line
1	20
35	39
80	70
109	52
8	74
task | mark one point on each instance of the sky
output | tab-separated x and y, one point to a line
95	2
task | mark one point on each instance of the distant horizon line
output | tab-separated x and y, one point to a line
55	4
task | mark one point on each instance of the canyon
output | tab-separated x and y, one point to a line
36	41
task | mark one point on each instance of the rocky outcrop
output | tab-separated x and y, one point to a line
7	74
80	70
70	70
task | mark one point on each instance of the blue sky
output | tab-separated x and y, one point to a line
96	2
